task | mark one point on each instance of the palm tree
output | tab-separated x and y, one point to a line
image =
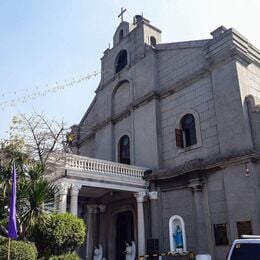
37	199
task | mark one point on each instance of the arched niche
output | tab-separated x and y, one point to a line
121	35
153	41
175	221
121	61
121	97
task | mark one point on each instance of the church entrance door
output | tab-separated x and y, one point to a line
124	232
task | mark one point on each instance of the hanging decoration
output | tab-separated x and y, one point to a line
42	91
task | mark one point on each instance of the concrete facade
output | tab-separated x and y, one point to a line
212	182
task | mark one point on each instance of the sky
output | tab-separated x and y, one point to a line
43	43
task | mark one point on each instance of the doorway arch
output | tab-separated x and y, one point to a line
124	232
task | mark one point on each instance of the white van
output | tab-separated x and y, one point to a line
247	248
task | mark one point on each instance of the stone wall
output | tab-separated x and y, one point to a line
177	61
197	99
178	202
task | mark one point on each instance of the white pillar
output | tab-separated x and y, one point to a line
140	222
103	229
56	201
90	227
63	192
74	192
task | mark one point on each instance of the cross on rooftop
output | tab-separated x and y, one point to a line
122	14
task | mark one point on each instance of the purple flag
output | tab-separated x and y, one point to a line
12	229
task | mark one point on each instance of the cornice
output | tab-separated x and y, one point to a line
229	45
200	166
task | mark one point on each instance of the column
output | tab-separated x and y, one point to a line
90	234
140	196
56	201
153	196
84	247
96	225
74	192
196	186
103	229
63	192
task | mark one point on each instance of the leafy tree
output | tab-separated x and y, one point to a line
66	256
63	233
19	250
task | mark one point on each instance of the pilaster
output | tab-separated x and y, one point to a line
153	196
140	197
196	186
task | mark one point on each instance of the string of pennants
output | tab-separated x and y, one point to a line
43	91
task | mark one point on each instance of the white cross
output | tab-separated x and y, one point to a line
122	14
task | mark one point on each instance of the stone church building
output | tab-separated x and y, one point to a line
172	134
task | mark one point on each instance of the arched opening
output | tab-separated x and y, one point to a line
189	129
121	61
177	234
152	41
121	35
124	150
121	97
124	232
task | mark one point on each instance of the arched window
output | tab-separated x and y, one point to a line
153	41
186	136
121	35
124	149
121	60
189	130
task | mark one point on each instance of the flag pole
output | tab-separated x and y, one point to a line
9	245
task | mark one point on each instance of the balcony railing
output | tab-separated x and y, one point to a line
102	167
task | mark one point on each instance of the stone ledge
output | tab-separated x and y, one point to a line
202	166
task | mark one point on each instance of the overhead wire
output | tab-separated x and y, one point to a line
42	91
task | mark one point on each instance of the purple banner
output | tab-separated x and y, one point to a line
12	229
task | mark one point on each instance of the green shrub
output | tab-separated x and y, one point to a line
19	250
3	225
62	233
67	256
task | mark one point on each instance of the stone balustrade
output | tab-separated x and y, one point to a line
102	167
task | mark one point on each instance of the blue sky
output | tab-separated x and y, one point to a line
49	41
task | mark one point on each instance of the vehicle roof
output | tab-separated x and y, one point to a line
247	241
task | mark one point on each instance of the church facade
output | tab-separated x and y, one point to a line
177	126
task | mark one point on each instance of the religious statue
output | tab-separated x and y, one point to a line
98	252
178	238
130	251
